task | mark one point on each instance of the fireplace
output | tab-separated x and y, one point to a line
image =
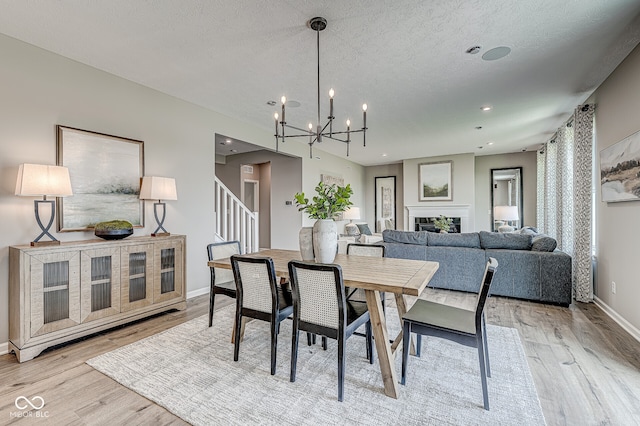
462	212
426	224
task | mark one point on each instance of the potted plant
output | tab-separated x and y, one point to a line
329	201
443	223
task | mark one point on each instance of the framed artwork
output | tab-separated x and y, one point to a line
105	173
620	170
434	181
385	202
333	180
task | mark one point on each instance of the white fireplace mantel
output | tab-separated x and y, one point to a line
451	210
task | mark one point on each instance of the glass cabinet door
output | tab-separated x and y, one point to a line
100	283
136	282
55	291
169	278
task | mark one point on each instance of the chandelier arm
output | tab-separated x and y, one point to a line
306	135
307	132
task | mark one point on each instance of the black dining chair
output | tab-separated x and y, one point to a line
463	326
357	249
357	295
321	307
259	296
222	281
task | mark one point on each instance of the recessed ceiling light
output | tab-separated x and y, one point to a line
480	147
478	127
271	103
227	142
486	108
496	53
384	155
489	143
234	150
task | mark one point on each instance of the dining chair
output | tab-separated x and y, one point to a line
222	281
355	294
370	250
463	326
259	296
321	307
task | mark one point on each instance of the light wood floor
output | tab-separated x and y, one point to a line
585	367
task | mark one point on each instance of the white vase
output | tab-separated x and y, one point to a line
306	243
325	240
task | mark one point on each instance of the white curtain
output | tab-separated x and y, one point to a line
564	195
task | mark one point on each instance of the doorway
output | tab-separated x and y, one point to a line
251	194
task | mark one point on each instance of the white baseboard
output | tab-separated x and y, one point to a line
4	348
197	292
629	328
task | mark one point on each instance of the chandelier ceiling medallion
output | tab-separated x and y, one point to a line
320	132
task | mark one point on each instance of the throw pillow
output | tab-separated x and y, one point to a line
509	241
364	228
543	243
528	230
417	237
470	240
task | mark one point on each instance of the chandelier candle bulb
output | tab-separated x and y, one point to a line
331	93
284	101
364	124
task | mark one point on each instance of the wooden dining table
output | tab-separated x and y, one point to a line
374	275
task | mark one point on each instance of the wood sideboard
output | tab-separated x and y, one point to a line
61	293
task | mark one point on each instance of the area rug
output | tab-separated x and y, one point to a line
189	370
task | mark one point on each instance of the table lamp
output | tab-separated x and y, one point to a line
35	180
506	213
158	188
351	214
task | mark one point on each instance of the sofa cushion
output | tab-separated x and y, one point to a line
416	237
405	251
509	241
469	240
543	242
364	228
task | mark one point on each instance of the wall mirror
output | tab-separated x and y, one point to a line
506	199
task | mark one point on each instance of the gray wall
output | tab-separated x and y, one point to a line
463	166
617	225
483	166
41	89
370	192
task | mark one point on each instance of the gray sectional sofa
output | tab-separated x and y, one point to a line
529	267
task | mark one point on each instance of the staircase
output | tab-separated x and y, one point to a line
234	221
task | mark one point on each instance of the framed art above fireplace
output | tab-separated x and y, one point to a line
435	181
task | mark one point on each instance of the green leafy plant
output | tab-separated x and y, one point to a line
331	200
443	223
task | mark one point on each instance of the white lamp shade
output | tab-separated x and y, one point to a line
158	188
506	213
41	179
352	213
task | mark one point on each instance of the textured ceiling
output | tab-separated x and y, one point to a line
406	59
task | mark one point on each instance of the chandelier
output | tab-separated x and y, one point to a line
321	131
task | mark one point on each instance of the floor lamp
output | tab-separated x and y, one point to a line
40	180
